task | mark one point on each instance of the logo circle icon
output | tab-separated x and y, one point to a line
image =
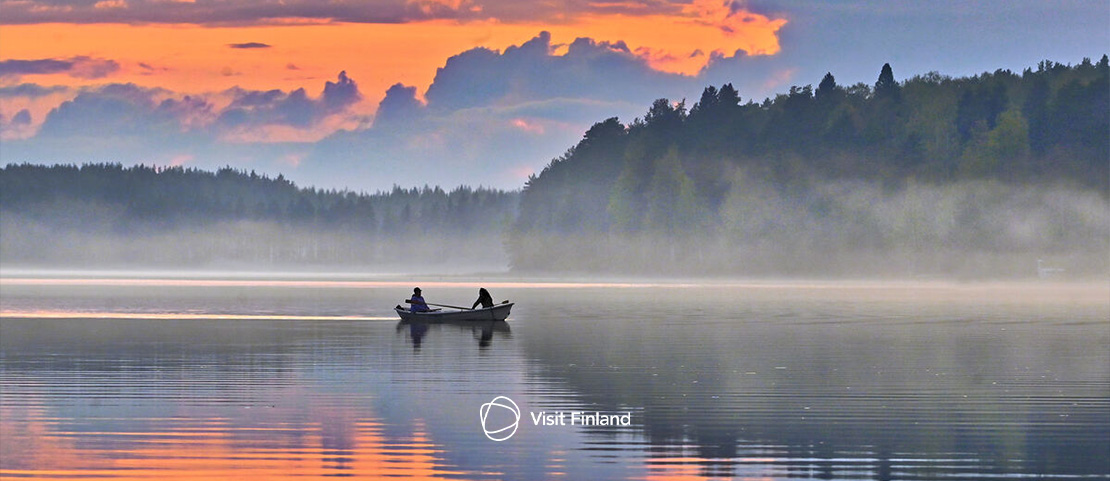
498	433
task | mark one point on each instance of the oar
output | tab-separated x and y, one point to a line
407	301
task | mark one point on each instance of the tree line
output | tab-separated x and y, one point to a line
702	188
173	215
902	175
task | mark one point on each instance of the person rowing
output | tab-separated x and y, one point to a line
416	303
484	299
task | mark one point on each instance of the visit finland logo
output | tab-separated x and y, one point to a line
500	423
501	417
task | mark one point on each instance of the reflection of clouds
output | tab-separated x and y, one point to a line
143	412
746	379
30	441
195	446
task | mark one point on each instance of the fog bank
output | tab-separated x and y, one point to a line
240	245
970	229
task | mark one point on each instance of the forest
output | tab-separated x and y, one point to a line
977	176
930	176
108	214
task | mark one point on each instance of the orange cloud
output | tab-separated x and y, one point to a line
192	59
382	54
527	125
779	79
107	4
429	7
680	43
38	107
181	160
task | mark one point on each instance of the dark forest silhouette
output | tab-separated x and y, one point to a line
897	176
108	213
774	187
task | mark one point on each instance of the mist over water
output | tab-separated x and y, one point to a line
966	229
111	216
242	245
763	224
852	228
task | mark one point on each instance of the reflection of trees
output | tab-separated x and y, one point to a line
851	397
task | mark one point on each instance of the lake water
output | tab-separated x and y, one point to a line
239	378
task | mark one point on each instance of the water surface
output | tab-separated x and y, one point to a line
291	378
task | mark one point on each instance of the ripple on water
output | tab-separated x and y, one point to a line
732	382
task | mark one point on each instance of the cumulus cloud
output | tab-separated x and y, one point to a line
130	123
271	107
116	122
111	111
252	108
533	71
80	67
18	126
492	117
23	117
399	107
340	94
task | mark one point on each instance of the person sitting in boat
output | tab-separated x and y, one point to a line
416	303
484	299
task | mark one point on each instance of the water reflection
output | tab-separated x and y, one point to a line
741	383
215	448
815	386
135	399
482	331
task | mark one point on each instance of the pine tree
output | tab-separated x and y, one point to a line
886	87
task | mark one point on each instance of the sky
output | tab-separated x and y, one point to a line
367	94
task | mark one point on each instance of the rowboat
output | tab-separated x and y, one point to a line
496	313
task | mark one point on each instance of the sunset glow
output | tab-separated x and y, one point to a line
197	59
215	448
245	83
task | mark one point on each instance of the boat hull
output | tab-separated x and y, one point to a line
496	313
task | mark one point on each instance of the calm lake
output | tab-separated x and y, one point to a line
229	377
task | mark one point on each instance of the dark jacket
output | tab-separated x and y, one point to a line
484	299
